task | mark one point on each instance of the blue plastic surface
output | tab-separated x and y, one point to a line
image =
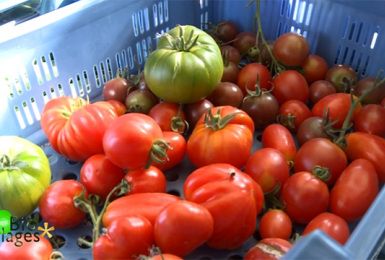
75	49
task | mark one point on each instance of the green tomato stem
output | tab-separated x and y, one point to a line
321	173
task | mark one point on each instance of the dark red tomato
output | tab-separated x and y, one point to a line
292	113
195	110
169	116
252	74
176	152
373	97
383	102
279	137
304	196
367	146
319	89
182	227
291	49
57	207
275	224
312	127
314	68
371	119
24	247
337	104
120	107
321	154
244	41
150	179
226	94
99	175
116	89
262	107
343	77
140	101
358	186
226	31
290	84
268	167
268	249
333	225
230	72
164	257
231	54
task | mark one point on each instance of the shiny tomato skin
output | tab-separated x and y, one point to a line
268	249
99	175
268	167
143	180
312	127
116	89
226	94
291	49
314	68
371	119
367	146
279	137
323	153
346	192
304	196
290	84
176	152
164	113
319	89
248	75
182	227
333	225
275	223
292	113
20	248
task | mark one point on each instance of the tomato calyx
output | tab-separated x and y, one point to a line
178	124
7	164
287	121
321	173
180	43
217	122
158	152
272	200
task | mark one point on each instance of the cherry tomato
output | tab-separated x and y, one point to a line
319	89
279	137
182	227
346	192
226	94
146	180
304	196
140	101
268	167
321	154
371	119
312	127
99	175
292	113
230	72
268	249
195	110
176	152
290	84
32	248
291	49
333	225
57	207
343	77
226	31
244	41
116	89
275	223
314	68
252	74
231	54
373	97
169	116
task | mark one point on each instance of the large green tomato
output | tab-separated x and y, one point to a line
24	175
186	66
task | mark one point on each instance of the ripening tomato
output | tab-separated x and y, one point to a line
175	153
312	127
279	137
169	116
343	77
252	74
358	186
291	49
226	31
231	54
33	248
149	179
375	96
314	68
244	41
333	225
117	89
290	84
371	119
268	249
195	110
275	223
226	94
292	113
319	89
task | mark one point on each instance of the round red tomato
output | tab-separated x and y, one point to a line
99	175
169	116
279	137
175	153
33	248
314	68
319	89
269	249
304	196
268	167
143	180
57	207
275	224
321	154
292	113
291	49
290	84
371	119
333	225
252	74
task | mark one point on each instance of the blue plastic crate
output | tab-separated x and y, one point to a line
74	50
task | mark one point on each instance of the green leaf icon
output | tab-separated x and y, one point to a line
5	221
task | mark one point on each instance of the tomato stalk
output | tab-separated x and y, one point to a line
180	43
321	173
158	152
216	122
178	124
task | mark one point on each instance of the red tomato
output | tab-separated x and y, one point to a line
222	172
57	207
371	119
268	167
176	152
290	84
292	113
169	116
148	205
304	196
346	192
164	257
19	248
146	180
182	227
131	140
252	74
275	224
319	89
314	68
367	146
195	110
226	94
99	175
321	154
375	96
215	139
268	249
126	238
343	77
116	89
230	72
291	49
333	225
74	128
279	137
120	108
312	127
